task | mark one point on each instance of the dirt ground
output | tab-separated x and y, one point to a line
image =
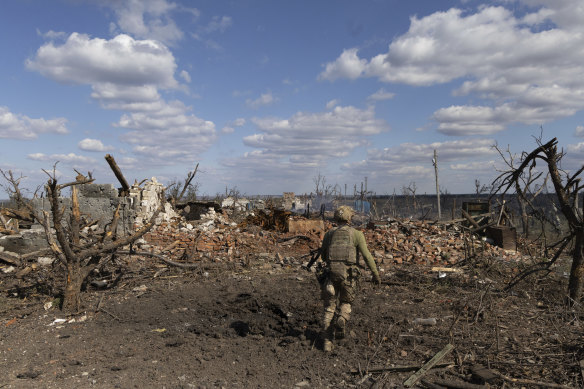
256	325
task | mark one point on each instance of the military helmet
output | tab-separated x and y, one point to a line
344	213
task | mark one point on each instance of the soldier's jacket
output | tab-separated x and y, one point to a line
360	247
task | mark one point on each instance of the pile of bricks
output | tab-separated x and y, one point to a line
192	240
396	243
423	243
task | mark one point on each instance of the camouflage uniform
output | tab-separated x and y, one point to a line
338	279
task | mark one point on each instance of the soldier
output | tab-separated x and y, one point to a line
338	278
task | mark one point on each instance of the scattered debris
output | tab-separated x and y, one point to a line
424	369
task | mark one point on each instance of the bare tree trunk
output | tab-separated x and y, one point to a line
435	163
118	173
576	283
524	217
72	295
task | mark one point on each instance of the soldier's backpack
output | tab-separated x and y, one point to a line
341	252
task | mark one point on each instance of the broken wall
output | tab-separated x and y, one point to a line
97	202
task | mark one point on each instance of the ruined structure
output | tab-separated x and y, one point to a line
97	202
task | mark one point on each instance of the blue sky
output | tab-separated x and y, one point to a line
266	95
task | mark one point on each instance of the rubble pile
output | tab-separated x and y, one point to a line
147	199
275	235
278	234
272	220
423	243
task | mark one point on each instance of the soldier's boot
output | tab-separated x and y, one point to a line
342	319
329	313
327	346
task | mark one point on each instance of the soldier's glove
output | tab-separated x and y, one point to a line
376	279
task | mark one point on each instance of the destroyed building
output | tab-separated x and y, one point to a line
97	203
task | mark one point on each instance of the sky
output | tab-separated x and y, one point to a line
268	95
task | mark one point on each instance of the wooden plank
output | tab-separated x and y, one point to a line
11	259
470	219
424	369
447	269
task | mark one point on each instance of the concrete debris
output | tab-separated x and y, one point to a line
45	261
423	243
275	236
147	200
238	204
238	229
97	203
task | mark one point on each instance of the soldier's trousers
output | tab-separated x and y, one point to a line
338	291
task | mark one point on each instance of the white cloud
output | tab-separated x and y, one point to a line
95	61
380	95
447	151
239	122
528	70
574	157
218	24
70	158
52	34
88	144
411	162
466	120
348	65
287	150
316	136
126	74
230	128
167	135
264	99
577	148
148	19
579	131
474	166
185	76
567	14
331	104
18	126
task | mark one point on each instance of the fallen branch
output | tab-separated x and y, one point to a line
470	219
447	269
293	237
171	246
167	261
399	369
111	314
12	260
424	369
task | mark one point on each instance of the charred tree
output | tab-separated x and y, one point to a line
566	188
81	252
118	173
177	194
